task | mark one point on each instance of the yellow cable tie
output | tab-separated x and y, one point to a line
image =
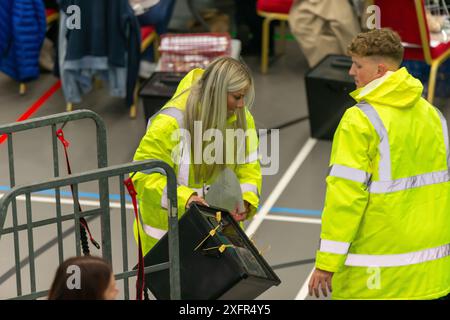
207	249
211	233
220	248
218	216
224	246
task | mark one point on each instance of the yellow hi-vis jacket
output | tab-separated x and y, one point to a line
158	144
386	220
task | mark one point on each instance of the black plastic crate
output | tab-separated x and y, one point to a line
157	90
327	89
239	272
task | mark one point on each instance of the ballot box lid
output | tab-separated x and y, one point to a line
332	67
161	84
237	272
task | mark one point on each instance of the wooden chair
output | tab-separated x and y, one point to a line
272	10
408	18
51	15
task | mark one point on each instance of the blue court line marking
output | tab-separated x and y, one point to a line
90	195
116	197
296	211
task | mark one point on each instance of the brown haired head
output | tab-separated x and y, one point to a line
95	275
383	43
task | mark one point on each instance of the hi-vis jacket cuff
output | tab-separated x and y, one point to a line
336	247
348	173
248	187
153	232
252	157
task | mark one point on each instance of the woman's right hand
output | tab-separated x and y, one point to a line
198	199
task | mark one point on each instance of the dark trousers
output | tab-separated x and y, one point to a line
249	27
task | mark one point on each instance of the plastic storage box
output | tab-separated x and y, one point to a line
327	88
157	90
184	52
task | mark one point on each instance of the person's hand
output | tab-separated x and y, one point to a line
197	199
320	278
240	216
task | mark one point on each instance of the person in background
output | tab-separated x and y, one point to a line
249	28
159	16
47	56
385	231
323	27
83	278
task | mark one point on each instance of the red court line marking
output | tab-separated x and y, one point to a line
36	106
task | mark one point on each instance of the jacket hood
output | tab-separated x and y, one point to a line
397	89
179	99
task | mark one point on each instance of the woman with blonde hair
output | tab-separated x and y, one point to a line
205	128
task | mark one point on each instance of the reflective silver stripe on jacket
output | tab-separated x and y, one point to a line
170	111
153	232
385	153
336	247
252	157
179	116
248	187
425	179
348	173
183	170
245	187
154	170
397	260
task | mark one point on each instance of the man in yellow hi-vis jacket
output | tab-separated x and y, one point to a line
385	226
211	100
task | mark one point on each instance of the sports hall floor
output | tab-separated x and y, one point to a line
287	228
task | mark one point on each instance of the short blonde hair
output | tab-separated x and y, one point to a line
383	43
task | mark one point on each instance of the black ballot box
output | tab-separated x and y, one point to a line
327	90
222	264
157	90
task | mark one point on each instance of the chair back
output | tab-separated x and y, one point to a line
274	6
407	18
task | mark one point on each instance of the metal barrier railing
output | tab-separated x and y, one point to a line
102	176
52	121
